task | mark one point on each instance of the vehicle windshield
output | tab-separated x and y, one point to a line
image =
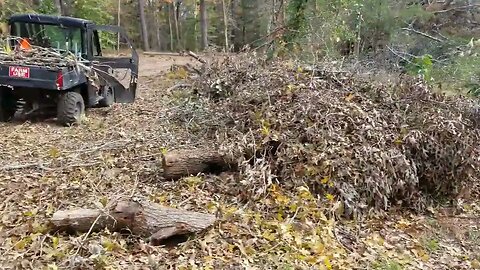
51	36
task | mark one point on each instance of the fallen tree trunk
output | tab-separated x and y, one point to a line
162	53
198	58
141	218
181	163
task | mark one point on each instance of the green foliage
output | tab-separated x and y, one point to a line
387	265
432	245
11	7
410	13
421	66
47	7
373	17
297	20
473	89
460	74
95	10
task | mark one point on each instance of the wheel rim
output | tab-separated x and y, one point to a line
109	92
78	110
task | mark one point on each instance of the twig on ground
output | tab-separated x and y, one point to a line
422	34
198	58
180	85
456	8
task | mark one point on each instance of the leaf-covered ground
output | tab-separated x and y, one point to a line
117	151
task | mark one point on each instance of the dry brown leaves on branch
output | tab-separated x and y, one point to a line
357	144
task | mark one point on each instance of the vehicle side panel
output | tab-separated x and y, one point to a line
41	78
73	78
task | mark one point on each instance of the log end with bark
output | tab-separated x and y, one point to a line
141	218
182	163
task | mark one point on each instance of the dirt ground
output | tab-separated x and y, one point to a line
46	167
116	152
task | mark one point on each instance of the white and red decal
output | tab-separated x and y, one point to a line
19	72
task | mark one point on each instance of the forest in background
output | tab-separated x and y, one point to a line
437	40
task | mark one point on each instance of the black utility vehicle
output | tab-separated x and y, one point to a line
82	77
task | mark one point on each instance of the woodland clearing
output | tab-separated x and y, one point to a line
117	152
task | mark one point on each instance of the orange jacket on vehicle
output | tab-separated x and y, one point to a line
24	44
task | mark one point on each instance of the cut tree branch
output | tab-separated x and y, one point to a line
198	58
180	85
141	218
181	163
456	8
422	34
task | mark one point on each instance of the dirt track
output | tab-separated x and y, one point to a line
27	142
46	167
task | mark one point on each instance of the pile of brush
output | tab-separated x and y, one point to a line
358	144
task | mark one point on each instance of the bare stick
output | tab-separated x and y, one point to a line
422	34
180	85
192	54
456	8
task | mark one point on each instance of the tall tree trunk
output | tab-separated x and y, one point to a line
176	13
170	26
118	24
143	23
157	29
59	6
225	25
203	25
67	7
234	26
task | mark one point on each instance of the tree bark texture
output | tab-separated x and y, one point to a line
142	218
203	25
182	163
170	26
143	23
176	16
59	6
225	26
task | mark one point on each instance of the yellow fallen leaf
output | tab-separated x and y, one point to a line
269	236
55	241
312	259
327	263
425	257
30	213
109	245
20	245
54	152
329	197
349	97
325	180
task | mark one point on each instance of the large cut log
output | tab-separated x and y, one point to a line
180	163
141	218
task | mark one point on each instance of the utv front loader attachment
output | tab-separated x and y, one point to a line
122	93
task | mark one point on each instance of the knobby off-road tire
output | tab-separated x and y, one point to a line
8	106
70	108
108	98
